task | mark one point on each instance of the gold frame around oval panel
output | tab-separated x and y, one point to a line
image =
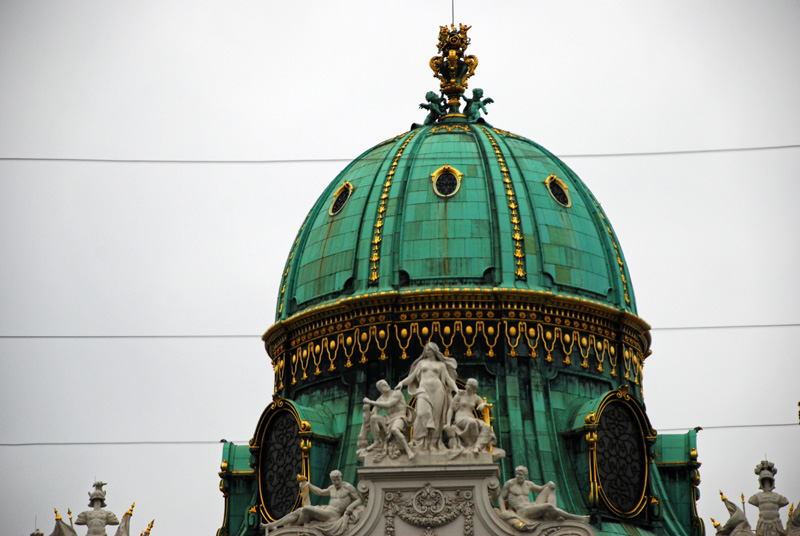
648	436
441	171
278	406
345	185
554	178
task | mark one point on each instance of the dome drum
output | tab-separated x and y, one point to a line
475	324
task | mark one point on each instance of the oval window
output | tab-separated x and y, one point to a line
558	190
446	181
340	198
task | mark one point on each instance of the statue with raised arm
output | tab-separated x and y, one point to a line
96	519
432	380
737	524
436	107
768	502
467	432
390	430
475	105
517	509
333	518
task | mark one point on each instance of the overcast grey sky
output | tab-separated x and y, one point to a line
104	248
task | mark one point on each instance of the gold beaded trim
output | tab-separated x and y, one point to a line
376	238
586	334
288	267
519	254
620	263
449	128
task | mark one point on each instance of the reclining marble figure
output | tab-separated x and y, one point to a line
521	512
331	519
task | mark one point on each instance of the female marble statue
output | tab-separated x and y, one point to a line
432	380
467	431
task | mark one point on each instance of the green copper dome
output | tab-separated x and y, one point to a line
455	204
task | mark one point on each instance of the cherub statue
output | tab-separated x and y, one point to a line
474	105
737	524
389	431
332	519
521	512
435	105
467	431
768	502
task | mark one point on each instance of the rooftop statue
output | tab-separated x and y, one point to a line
435	106
475	105
389	430
344	509
768	502
524	514
432	380
97	518
467	432
737	524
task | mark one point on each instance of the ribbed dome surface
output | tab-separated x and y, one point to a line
506	225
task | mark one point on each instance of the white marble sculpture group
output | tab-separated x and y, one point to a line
446	427
443	418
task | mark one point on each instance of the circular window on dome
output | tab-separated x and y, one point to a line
446	181
340	198
558	190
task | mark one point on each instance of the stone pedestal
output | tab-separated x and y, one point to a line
435	499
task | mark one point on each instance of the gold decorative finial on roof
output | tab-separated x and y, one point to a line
58	516
452	66
722	496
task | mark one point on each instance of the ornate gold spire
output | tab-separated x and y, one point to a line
452	67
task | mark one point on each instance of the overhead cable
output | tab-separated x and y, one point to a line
244	336
339	160
245	441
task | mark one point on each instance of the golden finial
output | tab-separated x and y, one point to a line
69	513
791	509
58	517
130	510
715	522
150	526
722	496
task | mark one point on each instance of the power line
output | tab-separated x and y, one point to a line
244	336
741	326
729	426
111	443
229	336
341	160
207	442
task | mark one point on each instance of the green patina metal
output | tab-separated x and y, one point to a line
466	239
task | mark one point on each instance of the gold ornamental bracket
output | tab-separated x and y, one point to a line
452	66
